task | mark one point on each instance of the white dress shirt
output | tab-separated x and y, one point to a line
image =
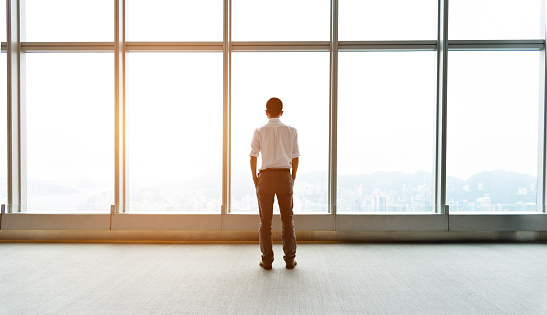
278	144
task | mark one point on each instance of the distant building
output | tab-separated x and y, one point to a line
380	203
485	203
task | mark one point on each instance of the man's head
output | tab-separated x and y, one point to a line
274	108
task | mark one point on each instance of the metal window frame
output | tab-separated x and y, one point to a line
439	186
226	95
542	117
16	109
333	112
121	186
282	46
16	48
496	45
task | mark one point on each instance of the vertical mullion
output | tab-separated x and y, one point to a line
120	182
226	79
542	136
440	134
16	120
333	102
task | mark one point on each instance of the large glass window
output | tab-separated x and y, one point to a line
492	131
174	132
3	133
3	111
386	106
70	127
301	81
3	21
280	20
494	19
387	20
174	20
386	117
69	21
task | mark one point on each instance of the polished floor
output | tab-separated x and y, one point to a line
472	278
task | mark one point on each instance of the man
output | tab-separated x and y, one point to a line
278	144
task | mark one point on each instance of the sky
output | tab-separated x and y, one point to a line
386	99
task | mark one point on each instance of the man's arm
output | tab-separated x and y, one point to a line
294	167
253	170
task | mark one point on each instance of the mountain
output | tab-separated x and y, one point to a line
49	188
502	186
385	180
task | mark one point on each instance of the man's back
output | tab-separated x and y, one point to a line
277	142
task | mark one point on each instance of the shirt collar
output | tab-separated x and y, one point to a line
273	120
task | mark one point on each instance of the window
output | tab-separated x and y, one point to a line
301	81
70	124
3	134
3	113
281	20
174	132
69	21
386	117
383	115
494	19
174	20
387	20
492	131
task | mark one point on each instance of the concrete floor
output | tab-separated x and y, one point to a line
83	278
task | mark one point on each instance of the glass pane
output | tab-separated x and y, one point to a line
301	81
494	19
174	132
69	21
492	131
3	32
387	20
3	111
3	133
386	124
70	132
174	20
281	20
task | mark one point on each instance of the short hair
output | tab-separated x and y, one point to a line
274	106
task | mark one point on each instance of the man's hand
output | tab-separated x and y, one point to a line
253	170
294	167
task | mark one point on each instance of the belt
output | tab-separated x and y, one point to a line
275	170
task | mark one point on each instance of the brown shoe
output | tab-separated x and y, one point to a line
290	264
265	266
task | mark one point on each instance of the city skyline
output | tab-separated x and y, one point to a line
376	192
